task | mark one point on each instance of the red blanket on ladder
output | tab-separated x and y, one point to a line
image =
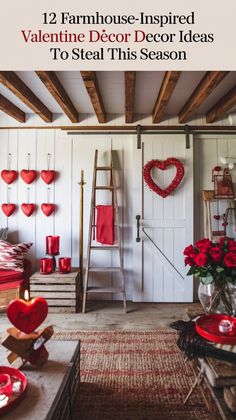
105	225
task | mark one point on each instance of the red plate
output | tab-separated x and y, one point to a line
19	383
208	327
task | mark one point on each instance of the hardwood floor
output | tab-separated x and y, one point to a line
110	316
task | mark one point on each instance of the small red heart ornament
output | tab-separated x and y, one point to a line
48	208
28	175
28	208
9	176
48	176
8	209
163	165
27	316
217	217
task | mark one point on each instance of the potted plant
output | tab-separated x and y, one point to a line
215	265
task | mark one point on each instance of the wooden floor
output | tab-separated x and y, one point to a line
111	316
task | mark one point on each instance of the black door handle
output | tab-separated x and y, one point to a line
138	227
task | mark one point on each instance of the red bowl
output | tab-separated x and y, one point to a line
208	327
17	394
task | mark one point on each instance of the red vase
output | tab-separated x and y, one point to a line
46	265
52	245
64	265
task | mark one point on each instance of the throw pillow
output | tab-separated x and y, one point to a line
3	233
12	255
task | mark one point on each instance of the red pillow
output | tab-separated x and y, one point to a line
12	255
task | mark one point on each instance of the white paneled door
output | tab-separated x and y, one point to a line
166	224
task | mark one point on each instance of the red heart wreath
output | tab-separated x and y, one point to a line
163	165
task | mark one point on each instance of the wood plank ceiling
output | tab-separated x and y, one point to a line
199	95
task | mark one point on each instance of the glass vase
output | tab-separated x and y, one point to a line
218	299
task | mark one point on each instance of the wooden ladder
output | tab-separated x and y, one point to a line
112	188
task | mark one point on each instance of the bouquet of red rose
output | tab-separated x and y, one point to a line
214	263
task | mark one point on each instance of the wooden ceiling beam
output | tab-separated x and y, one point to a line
206	86
225	103
54	86
130	77
168	85
10	109
12	82
91	84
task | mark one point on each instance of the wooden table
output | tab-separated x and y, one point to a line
52	388
62	291
218	374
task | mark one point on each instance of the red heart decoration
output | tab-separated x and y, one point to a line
48	176
28	175
8	209
217	217
28	208
9	176
27	316
48	208
163	165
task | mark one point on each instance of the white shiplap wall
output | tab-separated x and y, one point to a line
207	152
69	155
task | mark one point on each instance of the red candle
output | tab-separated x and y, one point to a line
28	315
5	385
52	245
46	265
64	265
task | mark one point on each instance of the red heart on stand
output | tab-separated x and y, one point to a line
28	208
48	176
48	208
163	165
27	316
9	176
28	175
8	209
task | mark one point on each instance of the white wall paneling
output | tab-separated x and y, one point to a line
208	150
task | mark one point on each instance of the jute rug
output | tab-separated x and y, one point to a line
129	375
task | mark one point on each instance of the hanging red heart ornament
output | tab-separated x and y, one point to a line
28	175
8	209
28	208
217	217
9	176
163	165
48	208
48	176
27	316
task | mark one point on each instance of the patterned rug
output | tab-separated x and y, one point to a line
129	375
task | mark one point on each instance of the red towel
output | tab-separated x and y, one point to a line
105	225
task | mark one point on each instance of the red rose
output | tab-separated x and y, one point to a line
216	254
223	240
189	261
203	245
230	259
201	259
232	245
189	251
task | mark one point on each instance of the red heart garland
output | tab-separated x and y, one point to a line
48	208
163	165
27	316
8	209
28	175
48	176
28	208
9	176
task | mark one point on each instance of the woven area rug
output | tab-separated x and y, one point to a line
129	375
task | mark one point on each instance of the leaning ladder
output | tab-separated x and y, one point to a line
112	188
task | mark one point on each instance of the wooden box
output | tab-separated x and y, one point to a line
7	295
62	291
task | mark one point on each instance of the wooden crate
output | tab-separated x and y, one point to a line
62	291
7	295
